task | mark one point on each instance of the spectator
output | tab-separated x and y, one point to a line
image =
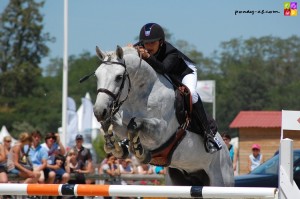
16	155
126	167
256	158
3	165
84	155
73	165
54	147
233	151
61	176
159	170
4	150
112	168
7	143
145	169
38	155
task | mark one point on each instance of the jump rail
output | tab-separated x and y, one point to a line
136	190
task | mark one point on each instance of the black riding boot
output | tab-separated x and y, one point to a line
211	142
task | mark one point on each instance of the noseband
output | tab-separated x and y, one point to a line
117	103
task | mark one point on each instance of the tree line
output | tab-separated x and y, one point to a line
251	74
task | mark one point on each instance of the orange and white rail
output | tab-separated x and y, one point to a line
136	191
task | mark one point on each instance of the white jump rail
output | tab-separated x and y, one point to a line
136	190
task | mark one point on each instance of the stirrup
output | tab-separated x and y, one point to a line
212	144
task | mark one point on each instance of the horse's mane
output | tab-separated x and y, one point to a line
126	50
129	50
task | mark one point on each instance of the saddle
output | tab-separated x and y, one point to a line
183	101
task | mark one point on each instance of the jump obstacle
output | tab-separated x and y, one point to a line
284	190
287	187
136	190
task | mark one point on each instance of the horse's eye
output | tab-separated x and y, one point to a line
119	78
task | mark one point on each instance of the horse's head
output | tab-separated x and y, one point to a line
113	83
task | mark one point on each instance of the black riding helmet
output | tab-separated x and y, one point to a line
151	32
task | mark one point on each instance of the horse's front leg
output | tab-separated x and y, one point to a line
112	145
145	134
135	145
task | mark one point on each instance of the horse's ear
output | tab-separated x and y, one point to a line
119	52
100	54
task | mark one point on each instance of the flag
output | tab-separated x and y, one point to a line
71	105
86	120
290	120
206	90
72	127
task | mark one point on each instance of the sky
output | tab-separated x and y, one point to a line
203	23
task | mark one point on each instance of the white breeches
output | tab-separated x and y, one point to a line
190	81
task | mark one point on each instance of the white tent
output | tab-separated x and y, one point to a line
87	109
4	132
81	122
87	122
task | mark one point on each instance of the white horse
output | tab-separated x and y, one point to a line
139	103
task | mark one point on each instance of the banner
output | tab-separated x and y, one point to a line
87	114
206	90
290	120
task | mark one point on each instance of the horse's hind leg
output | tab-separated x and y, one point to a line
221	170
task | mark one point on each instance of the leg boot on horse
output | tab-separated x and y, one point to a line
211	142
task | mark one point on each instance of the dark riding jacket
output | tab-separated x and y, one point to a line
169	60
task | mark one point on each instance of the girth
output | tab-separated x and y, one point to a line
162	155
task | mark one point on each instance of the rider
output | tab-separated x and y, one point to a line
166	59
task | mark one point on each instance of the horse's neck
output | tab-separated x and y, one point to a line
151	97
142	78
141	74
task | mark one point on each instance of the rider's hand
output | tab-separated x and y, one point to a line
143	52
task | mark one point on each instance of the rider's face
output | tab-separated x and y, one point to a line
152	47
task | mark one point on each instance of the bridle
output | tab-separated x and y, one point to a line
117	103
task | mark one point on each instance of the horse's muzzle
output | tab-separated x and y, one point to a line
100	115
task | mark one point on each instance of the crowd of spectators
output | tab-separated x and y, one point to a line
47	162
30	160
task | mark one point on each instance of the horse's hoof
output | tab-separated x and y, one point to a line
108	149
121	154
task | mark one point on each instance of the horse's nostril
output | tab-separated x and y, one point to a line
104	113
